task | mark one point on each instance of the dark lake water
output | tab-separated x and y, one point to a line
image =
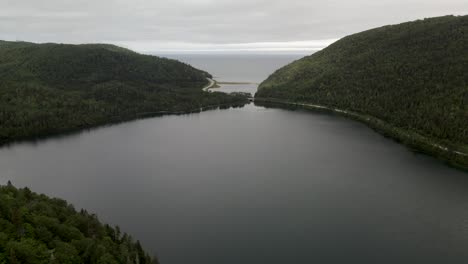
255	185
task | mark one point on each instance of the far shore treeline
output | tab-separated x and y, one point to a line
409	81
54	88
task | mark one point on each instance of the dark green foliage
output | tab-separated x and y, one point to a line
413	76
53	88
38	229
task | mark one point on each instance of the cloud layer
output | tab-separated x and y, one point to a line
188	25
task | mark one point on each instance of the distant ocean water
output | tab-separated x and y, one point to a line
237	68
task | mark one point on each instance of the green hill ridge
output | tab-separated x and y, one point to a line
410	81
53	88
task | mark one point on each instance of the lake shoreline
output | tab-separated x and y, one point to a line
415	141
116	121
122	119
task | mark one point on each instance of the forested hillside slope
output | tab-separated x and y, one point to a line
37	229
412	76
53	88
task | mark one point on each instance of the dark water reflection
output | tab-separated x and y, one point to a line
256	185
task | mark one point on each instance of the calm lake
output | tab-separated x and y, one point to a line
255	185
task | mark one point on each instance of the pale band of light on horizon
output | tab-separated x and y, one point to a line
256	47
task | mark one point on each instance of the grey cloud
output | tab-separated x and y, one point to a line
206	22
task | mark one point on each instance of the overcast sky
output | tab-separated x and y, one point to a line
209	25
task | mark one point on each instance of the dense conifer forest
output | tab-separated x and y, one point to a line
413	76
37	229
54	88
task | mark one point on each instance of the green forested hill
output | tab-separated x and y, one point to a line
37	229
413	76
52	88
